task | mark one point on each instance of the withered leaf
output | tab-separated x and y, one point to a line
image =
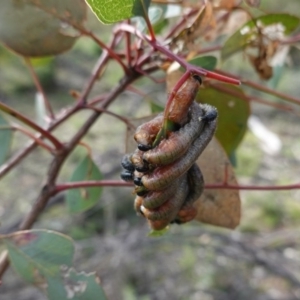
218	207
203	22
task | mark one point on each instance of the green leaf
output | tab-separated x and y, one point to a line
156	107
5	139
79	200
36	254
112	11
155	15
75	286
278	71
233	113
45	257
206	62
35	28
158	233
273	24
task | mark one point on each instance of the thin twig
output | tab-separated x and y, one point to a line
49	188
189	68
12	162
262	88
247	98
92	183
33	137
46	134
295	186
119	117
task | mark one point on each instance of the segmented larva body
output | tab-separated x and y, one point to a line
155	199
178	142
146	133
161	177
183	100
167	182
196	184
170	208
137	161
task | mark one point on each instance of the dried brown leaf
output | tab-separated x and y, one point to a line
218	207
202	24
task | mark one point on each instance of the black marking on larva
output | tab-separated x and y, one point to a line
127	175
126	163
144	147
138	181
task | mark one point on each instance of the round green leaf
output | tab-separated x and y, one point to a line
79	200
233	113
276	24
37	254
35	28
77	286
113	11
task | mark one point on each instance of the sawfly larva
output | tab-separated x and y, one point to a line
178	142
154	199
161	177
169	209
146	133
183	100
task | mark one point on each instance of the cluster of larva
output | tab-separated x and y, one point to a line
167	180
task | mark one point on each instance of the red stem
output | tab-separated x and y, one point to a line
111	53
46	134
118	183
121	118
92	183
150	28
250	98
189	68
177	86
253	187
128	46
264	89
33	137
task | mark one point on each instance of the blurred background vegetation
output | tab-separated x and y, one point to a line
259	260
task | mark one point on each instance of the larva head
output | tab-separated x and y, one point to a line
146	133
210	113
126	163
144	139
127	175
